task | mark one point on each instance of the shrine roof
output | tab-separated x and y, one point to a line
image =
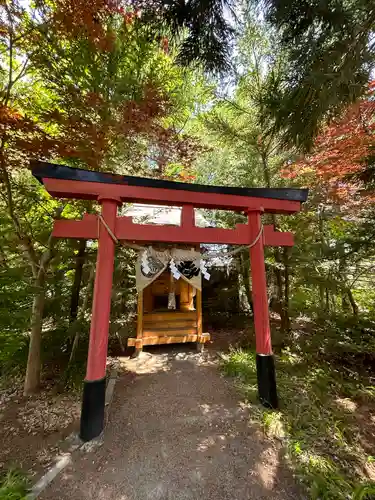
44	170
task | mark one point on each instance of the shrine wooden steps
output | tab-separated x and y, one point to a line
168	328
170	323
169	316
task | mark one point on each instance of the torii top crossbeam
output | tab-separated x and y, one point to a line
113	190
67	182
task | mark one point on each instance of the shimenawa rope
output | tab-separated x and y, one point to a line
207	255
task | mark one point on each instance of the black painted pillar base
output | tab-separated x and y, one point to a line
92	413
267	380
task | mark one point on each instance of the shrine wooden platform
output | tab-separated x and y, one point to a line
169	328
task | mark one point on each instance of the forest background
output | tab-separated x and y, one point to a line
248	94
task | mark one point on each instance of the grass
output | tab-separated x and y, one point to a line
323	421
13	486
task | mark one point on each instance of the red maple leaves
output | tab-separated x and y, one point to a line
84	120
341	149
89	18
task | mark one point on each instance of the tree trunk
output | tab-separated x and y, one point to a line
280	291
278	260
245	270
77	322
326	308
286	318
345	304
32	378
324	292
352	302
266	170
76	287
333	303
321	297
33	369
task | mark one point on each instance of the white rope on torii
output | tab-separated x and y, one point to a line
153	262
236	250
190	265
205	256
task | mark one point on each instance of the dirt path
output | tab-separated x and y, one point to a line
176	431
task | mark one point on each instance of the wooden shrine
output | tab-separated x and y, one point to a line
156	324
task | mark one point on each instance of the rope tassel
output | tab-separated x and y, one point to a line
175	272
206	275
145	266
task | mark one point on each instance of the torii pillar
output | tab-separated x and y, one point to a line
264	357
93	401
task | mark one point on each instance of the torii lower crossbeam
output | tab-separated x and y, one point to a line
111	191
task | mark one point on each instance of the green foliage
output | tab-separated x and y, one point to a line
202	28
15	303
241	364
88	86
127	107
364	492
329	62
249	153
13	486
319	421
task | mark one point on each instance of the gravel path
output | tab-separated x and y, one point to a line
176	431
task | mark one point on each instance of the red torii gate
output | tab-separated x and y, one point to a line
113	190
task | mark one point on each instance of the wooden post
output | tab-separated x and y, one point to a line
187	217
92	415
264	358
184	296
200	343
138	342
199	312
147	299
